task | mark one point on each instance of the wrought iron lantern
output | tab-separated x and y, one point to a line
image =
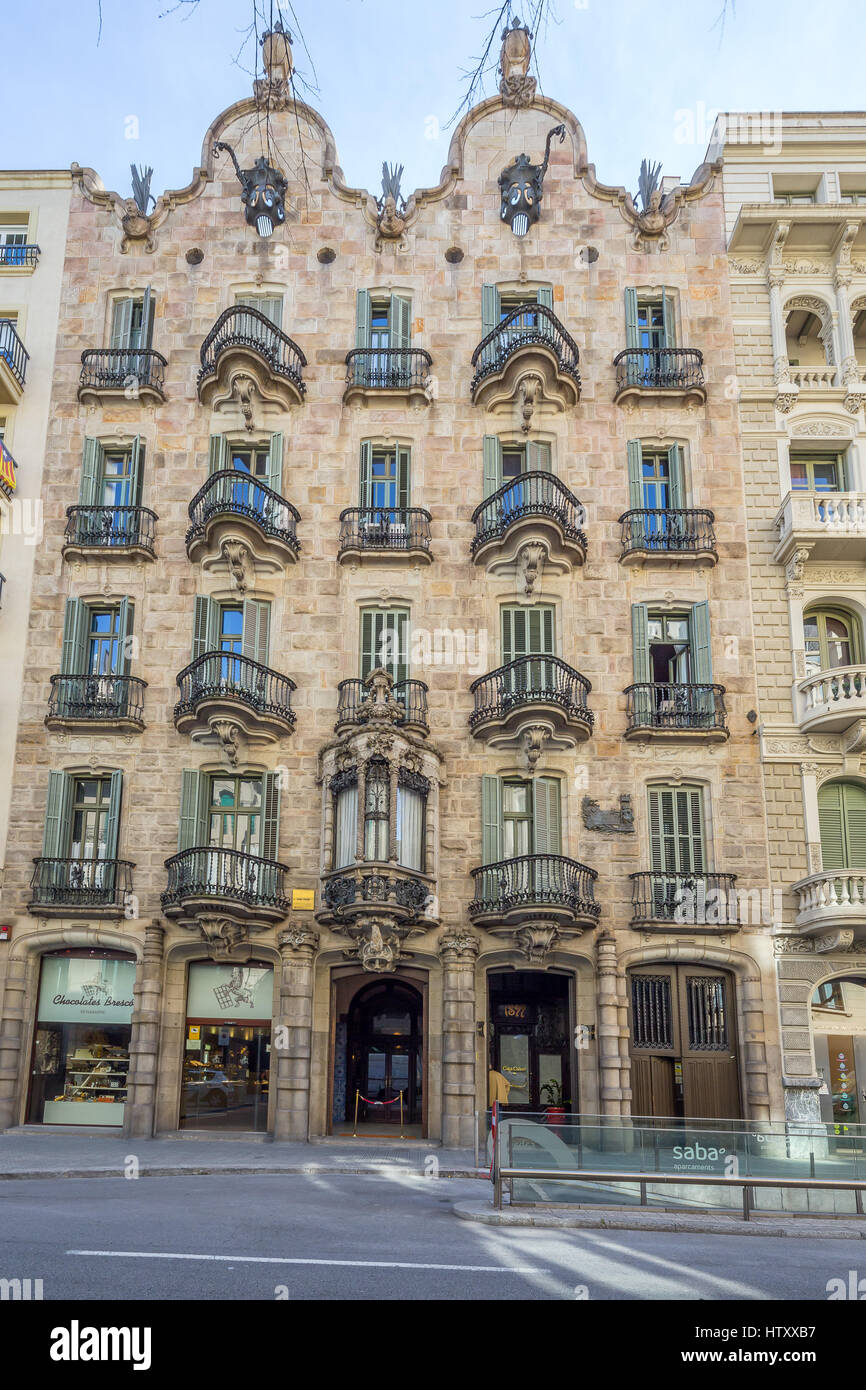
263	192
521	187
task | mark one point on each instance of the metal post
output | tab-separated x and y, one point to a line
355	1130
476	1139
643	1192
746	1201
402	1135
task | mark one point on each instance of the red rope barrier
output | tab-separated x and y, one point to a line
381	1102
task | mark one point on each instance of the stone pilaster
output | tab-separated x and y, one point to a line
458	951
140	1108
291	1044
613	1061
11	1040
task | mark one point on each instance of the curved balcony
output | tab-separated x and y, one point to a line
382	534
128	374
831	701
368	888
80	887
109	533
669	374
354	704
536	506
243	886
81	702
533	887
683	535
688	712
235	506
13	363
698	901
218	687
383	374
244	343
532	692
530	342
831	525
832	902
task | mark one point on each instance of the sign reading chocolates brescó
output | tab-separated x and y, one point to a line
85	989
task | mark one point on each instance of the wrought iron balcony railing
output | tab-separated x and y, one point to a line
130	370
412	695
19	255
384	528
532	494
13	351
532	880
226	874
375	884
653	705
223	675
527	681
389	369
660	369
681	530
81	883
97	698
231	493
110	527
527	325
690	899
244	327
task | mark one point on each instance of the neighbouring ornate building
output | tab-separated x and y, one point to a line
795	204
390	695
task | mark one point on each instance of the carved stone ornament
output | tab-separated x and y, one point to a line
533	740
516	87
299	941
530	565
520	187
229	736
222	935
459	947
378	706
274	90
392	211
530	392
787	395
536	940
138	228
241	565
838	940
620	822
244	391
377	945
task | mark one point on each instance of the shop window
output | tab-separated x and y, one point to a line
227	1047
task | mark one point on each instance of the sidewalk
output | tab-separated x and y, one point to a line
47	1154
623	1219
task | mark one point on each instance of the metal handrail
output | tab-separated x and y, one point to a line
530	680
243	326
230	492
122	369
384	528
528	324
529	879
536	493
680	529
658	895
110	527
659	369
95	697
19	255
206	872
675	705
80	882
230	675
352	701
13	351
389	369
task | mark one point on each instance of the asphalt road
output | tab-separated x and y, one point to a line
337	1236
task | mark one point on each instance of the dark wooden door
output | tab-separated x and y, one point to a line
683	1042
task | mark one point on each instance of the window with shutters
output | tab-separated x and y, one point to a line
383	337
239	813
650	319
271	305
505	462
385	642
520	817
132	322
82	816
384	477
842	821
671	648
97	639
832	639
111	476
677	835
527	630
239	629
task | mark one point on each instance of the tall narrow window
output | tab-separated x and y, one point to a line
520	817
383	333
384	484
271	305
832	639
377	812
132	322
677	830
842	821
385	642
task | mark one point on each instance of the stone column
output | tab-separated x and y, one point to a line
293	1035
809	779
140	1109
613	1063
12	1028
849	369
458	951
775	281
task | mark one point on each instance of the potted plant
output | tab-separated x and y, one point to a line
554	1110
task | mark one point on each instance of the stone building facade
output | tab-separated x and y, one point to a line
795	207
401	623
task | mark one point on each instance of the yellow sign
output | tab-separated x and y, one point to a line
194	1031
303	899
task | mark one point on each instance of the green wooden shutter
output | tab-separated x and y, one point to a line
112	820
668	320
145	333
660	813
275	463
631	334
545	296
205	626
527	632
366	488
490	309
368	640
676	830
855	824
546	821
136	461
191	828
380	627
56	815
363	319
90	494
121	323
675	474
640	642
491	450
217	453
270	815
513	634
635	474
73	657
403	476
842	820
271	305
399	322
125	630
491	820
699	640
537	457
256	632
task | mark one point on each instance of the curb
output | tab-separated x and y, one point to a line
619	1219
234	1170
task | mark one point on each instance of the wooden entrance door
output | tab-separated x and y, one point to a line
683	1042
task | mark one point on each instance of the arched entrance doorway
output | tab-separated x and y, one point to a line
839	1026
682	1042
385	1054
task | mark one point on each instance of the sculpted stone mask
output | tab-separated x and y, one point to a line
520	185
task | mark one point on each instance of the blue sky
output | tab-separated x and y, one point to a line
643	78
